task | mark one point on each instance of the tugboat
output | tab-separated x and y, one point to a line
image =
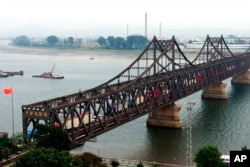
49	75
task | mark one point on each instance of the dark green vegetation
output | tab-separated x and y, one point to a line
50	41
244	148
45	157
50	149
50	157
10	146
115	163
208	156
48	136
89	159
21	41
131	42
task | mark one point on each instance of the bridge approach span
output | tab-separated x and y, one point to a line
161	75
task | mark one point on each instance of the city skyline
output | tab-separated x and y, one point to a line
119	18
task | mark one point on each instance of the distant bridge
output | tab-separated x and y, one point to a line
161	75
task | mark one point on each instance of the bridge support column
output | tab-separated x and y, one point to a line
168	117
217	91
242	78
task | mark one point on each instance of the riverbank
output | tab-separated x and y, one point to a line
7	47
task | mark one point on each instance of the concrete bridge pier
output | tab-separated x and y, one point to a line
242	78
168	117
217	91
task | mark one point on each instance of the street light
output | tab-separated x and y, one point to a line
189	107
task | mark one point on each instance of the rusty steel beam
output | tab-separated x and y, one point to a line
86	114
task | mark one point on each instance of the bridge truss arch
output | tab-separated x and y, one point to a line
161	75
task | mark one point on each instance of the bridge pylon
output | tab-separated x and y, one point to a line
216	91
242	78
168	116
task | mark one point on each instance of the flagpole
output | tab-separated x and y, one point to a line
8	91
13	131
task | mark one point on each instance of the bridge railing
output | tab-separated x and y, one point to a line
89	113
134	163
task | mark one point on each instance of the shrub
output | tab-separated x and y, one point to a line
140	164
89	159
115	163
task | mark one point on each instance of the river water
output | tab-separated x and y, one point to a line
223	123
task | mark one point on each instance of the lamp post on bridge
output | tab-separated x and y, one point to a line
189	107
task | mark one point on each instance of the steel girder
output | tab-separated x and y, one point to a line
84	115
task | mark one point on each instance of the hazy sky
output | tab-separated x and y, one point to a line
111	17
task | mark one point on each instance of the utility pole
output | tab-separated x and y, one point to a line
189	107
127	31
160	31
146	25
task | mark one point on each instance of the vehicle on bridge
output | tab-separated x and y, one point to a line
161	75
73	121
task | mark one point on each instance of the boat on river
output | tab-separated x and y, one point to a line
3	74
49	75
12	73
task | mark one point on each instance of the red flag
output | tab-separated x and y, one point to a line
7	91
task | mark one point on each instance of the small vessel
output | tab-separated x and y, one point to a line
14	73
3	74
49	75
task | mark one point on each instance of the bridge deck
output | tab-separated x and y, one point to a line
166	77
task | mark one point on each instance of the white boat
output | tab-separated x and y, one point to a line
3	74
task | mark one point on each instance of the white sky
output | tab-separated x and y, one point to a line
111	17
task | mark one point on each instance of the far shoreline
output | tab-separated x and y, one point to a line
6	46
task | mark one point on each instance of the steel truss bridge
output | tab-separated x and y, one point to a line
161	75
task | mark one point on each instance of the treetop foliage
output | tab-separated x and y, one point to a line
131	42
208	156
52	40
47	136
47	157
111	42
22	40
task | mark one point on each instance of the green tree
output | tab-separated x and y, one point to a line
111	41
139	165
115	163
102	41
208	156
136	42
244	148
17	139
52	40
21	41
119	43
70	40
48	136
89	159
7	147
47	157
